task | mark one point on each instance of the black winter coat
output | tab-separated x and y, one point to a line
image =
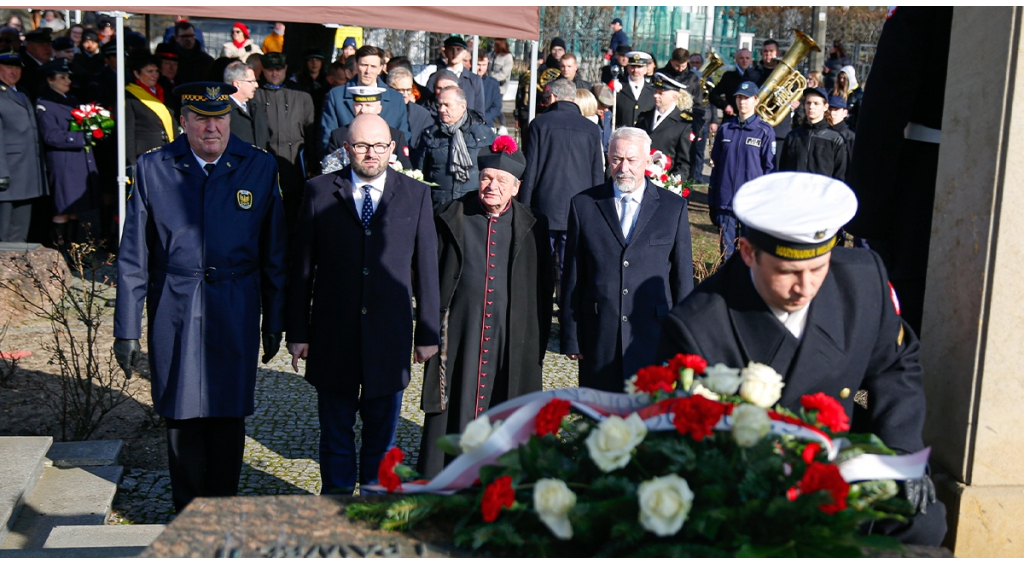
432	158
814	148
853	340
628	108
530	290
673	136
843	129
250	127
143	130
723	94
563	158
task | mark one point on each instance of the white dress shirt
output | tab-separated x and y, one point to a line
243	105
376	191
795	321
637	88
659	117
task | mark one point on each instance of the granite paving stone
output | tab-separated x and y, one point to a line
283	435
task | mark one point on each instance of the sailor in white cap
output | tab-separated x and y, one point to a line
369	100
636	95
823	316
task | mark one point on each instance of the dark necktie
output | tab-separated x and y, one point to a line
367	206
208	167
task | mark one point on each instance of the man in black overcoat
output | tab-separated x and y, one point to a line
635	95
628	261
495	267
824	318
248	120
721	96
563	158
363	247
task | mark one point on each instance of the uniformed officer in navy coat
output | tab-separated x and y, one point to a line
364	245
22	171
628	261
825	318
203	247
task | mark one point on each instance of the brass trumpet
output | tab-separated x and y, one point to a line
713	63
785	83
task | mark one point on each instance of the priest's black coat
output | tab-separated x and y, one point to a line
852	341
530	297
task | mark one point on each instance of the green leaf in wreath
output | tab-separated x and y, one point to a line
449	444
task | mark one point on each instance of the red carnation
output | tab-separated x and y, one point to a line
97	133
549	418
691	361
498	494
825	477
656	378
504	144
649	172
792	494
810	451
664	177
697	416
686	192
386	471
830	412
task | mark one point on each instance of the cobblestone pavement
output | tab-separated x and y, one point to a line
282	442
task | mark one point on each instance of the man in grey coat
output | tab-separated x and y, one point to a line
22	178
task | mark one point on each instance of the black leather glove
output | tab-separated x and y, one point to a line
920	493
127	352
5	183
271	344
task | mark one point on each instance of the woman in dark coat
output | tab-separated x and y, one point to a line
148	123
70	163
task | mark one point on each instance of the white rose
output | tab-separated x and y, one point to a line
552	500
664	504
631	386
721	379
611	444
477	432
699	390
762	385
749	424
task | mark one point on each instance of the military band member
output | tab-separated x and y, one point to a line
824	317
204	248
635	95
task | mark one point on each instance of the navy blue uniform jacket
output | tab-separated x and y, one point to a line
359	325
851	341
616	295
741	153
208	260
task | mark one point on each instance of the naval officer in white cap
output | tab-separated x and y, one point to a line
823	316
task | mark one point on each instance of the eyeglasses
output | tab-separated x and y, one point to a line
363	148
249	80
404	90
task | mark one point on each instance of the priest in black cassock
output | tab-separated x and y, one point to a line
496	290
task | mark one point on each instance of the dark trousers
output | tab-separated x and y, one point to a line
15	217
728	230
697	149
338	438
204	456
557	257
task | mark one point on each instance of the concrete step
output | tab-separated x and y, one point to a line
90	536
101	552
22	460
64	496
85	453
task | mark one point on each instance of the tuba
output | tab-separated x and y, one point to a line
785	83
713	63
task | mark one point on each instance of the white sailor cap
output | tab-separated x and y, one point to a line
366	93
638	58
794	215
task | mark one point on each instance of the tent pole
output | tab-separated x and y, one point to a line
476	52
533	80
119	112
